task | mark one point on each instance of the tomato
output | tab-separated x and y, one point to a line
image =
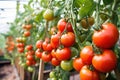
105	62
86	24
68	39
39	44
55	62
74	52
30	57
46	57
48	15
62	24
20	45
20	50
26	33
28	26
53	30
78	64
63	54
106	37
31	52
38	53
66	65
53	53
47	46
30	69
29	63
87	54
87	74
29	47
52	74
55	40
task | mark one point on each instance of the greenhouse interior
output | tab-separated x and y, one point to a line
59	39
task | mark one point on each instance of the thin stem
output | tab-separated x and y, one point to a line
74	26
97	14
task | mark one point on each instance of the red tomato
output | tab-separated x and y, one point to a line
68	39
46	57
63	54
29	47
53	53
106	37
105	62
38	53
78	64
29	63
30	57
20	45
39	44
47	46
62	24
87	54
86	74
26	33
31	52
55	40
55	62
20	50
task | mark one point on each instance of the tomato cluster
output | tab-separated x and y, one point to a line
92	62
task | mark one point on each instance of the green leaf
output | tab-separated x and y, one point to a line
2	41
59	11
87	8
106	2
41	32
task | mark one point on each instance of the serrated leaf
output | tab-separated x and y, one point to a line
86	8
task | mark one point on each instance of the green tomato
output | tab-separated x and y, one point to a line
30	69
74	52
48	15
52	74
66	65
53	78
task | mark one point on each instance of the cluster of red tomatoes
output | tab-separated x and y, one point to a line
91	63
56	49
21	40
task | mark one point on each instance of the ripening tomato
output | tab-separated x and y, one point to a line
66	65
87	54
87	74
105	62
68	39
20	50
30	57
63	54
106	37
26	33
55	62
46	57
46	46
39	44
28	26
86	24
62	24
29	47
38	53
53	30
48	15
78	64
